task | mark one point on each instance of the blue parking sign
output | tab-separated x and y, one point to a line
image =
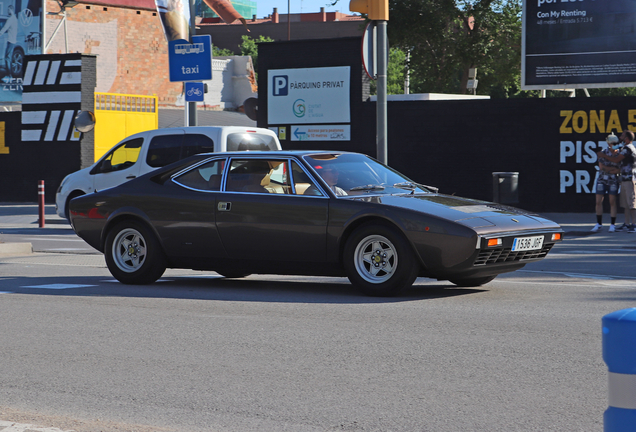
190	61
194	92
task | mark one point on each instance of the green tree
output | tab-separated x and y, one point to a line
447	37
221	52
395	73
249	47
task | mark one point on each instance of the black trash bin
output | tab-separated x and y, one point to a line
505	187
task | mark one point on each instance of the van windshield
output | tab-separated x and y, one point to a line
250	141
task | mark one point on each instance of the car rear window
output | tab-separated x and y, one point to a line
166	149
246	141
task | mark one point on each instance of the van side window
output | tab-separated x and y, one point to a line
195	144
206	177
120	158
164	149
246	141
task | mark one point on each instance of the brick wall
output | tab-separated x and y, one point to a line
132	52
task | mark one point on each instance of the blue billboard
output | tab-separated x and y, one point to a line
578	44
20	35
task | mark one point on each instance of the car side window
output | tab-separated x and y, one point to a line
258	176
205	177
195	144
303	184
250	141
164	149
120	158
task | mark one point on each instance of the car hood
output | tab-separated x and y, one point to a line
483	216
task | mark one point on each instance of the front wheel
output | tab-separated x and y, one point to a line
133	254
379	260
472	282
16	62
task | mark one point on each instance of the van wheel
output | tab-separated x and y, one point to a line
67	211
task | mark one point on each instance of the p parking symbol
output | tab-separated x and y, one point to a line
279	85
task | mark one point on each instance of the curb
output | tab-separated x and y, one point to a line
9	249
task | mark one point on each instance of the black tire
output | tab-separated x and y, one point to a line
15	63
379	260
472	282
133	254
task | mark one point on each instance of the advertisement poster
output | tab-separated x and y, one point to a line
20	35
308	96
578	44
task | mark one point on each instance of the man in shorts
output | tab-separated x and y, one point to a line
627	158
607	183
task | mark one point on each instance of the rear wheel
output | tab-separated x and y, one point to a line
379	260
133	254
472	282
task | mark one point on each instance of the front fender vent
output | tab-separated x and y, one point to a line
502	255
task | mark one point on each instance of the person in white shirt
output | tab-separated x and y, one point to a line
10	27
330	176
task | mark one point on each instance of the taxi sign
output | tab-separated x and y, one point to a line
190	61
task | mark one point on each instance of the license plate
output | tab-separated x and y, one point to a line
527	243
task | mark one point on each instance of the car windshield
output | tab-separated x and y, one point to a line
356	174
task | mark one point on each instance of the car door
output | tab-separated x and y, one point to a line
185	219
118	166
260	216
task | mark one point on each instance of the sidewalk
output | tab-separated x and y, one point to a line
26	216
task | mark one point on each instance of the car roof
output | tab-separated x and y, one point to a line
276	153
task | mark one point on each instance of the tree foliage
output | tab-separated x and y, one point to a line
447	37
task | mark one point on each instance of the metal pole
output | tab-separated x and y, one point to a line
288	19
407	73
381	120
191	107
65	33
41	204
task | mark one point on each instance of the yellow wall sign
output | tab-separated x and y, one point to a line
3	147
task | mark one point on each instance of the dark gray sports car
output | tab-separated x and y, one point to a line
305	213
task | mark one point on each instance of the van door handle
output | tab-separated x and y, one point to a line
224	206
130	177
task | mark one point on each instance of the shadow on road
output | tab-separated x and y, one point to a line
212	287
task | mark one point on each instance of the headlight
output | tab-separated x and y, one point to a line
62	184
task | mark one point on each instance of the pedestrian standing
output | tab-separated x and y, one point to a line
607	183
627	159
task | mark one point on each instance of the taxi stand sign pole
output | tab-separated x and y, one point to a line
378	11
190	61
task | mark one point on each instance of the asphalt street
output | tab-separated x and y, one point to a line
197	352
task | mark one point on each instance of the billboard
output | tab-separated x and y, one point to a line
20	35
578	44
308	96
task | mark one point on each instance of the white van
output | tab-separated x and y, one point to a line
143	152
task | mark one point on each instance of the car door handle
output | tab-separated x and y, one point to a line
224	206
130	177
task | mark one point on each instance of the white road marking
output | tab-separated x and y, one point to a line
578	275
58	286
52	239
8	426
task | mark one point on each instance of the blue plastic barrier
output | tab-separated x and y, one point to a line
619	353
